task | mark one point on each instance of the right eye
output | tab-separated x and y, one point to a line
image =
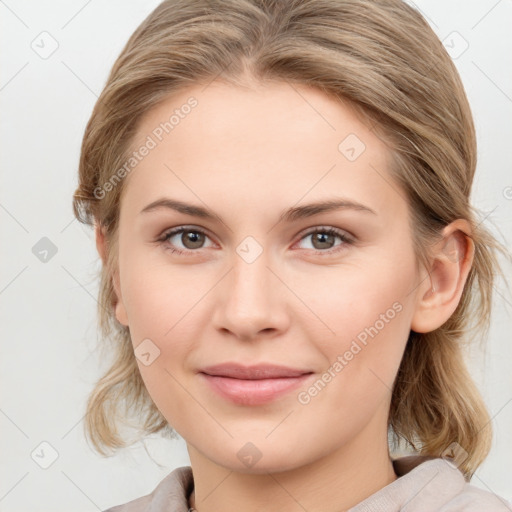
191	239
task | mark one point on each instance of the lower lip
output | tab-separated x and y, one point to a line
254	392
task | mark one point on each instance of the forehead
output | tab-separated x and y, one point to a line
270	143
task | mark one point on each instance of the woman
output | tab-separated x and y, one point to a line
280	193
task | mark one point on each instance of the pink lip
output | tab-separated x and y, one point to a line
253	385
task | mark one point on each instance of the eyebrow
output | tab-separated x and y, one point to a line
290	215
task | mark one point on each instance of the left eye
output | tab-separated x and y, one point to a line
323	239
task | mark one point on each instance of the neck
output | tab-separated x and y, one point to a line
334	483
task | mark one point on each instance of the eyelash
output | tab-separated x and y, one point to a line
328	230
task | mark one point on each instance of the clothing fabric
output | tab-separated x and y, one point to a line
424	484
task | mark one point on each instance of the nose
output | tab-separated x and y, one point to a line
251	303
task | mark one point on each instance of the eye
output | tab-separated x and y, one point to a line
323	240
191	238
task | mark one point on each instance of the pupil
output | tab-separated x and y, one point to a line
321	238
194	238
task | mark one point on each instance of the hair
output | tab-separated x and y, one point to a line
380	57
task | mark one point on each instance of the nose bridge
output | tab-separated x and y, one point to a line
250	301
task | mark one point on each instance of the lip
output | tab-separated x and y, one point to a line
253	385
259	371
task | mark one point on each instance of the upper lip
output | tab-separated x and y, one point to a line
260	371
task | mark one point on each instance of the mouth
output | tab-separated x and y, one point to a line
253	385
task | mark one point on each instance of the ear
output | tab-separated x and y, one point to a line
439	293
101	246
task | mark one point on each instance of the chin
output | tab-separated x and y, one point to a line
253	461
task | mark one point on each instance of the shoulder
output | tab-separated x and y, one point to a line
431	484
171	494
446	487
474	499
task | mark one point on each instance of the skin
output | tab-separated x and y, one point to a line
291	306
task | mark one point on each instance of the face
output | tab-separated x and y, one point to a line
245	271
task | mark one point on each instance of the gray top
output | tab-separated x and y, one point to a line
424	484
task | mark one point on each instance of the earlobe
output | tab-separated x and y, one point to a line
100	242
120	310
439	293
101	246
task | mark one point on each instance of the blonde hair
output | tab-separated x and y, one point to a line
385	60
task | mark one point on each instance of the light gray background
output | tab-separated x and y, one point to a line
48	321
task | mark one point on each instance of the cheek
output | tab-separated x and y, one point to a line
163	305
368	313
157	295
158	303
347	300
